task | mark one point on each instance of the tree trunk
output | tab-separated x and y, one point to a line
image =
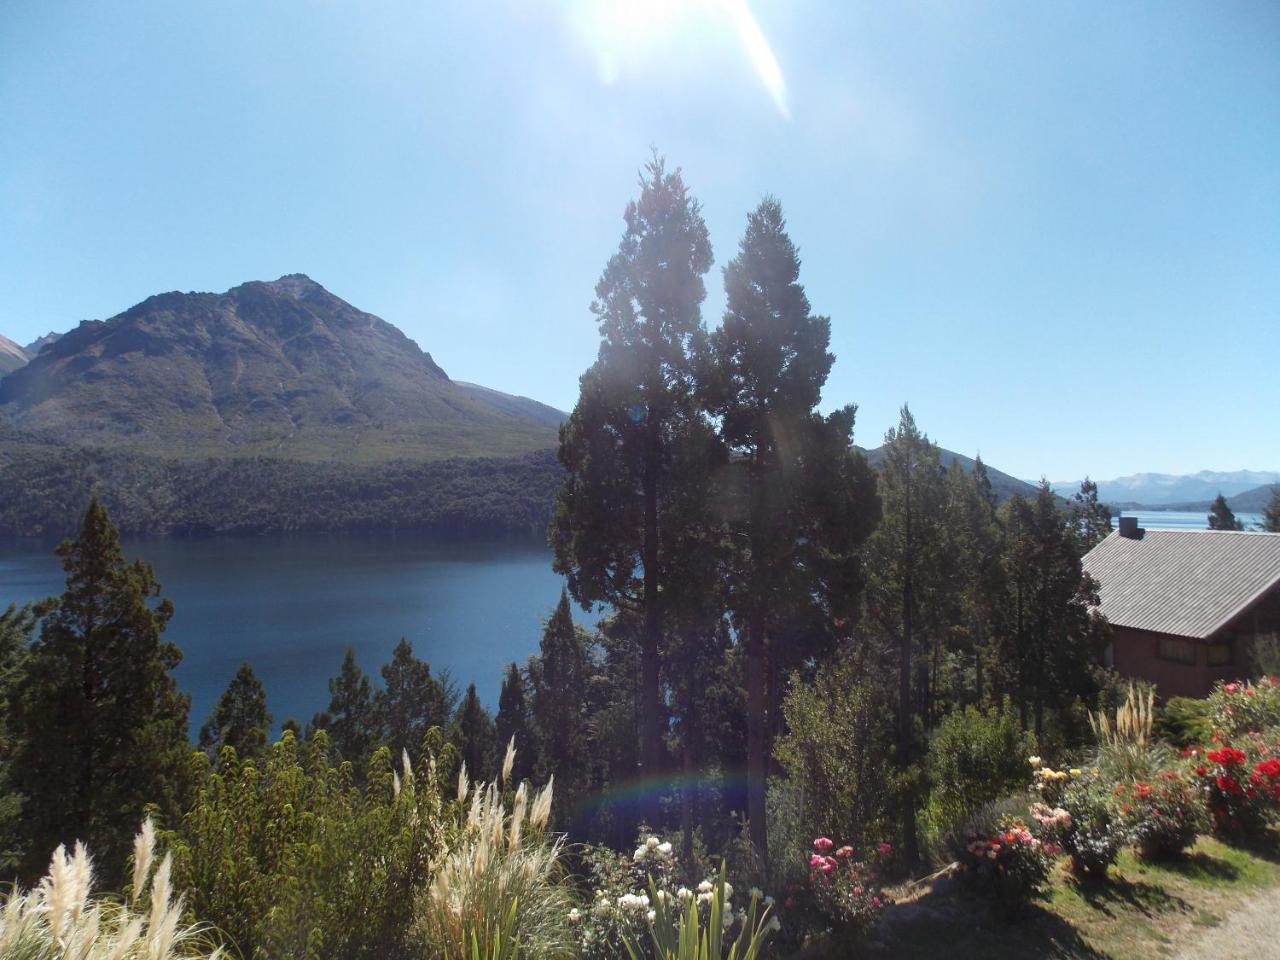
650	698
757	674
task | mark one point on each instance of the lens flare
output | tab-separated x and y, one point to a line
630	33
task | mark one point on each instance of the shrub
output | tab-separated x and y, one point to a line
839	738
1240	708
289	856
1090	833
843	891
60	918
1185	721
1163	816
1010	865
974	757
1242	785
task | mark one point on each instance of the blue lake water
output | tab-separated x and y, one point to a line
291	605
1180	520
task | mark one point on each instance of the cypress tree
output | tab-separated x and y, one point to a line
351	720
770	359
560	702
1091	519
514	720
412	701
475	737
1221	516
239	719
623	443
101	728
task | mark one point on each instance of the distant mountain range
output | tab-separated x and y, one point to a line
1170	491
282	369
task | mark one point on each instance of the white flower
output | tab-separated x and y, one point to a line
652	843
704	898
728	889
640	854
575	915
705	886
767	901
652	915
774	924
602	908
756	894
1035	762
685	894
664	850
662	896
727	920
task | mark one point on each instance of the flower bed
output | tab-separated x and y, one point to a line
1162	817
1011	865
1242	785
843	891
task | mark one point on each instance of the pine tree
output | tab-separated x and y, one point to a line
239	719
1221	517
630	427
351	720
474	736
769	361
560	703
514	720
412	701
100	728
1091	519
903	561
17	625
1271	513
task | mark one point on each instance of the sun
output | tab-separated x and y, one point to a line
622	32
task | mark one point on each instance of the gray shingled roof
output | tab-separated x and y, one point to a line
1184	582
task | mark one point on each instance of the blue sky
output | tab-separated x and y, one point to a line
1053	228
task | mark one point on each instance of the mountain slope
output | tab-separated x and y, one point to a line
519	406
282	369
1002	484
39	343
12	356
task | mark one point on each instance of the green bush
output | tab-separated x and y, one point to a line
1185	721
974	757
1237	709
838	752
290	857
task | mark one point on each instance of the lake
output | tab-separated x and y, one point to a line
291	605
1181	520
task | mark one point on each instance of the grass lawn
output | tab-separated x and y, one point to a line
1144	912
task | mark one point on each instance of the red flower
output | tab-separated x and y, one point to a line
1231	688
885	849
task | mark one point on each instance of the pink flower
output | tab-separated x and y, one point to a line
1231	688
815	860
875	901
845	852
823	844
857	891
885	849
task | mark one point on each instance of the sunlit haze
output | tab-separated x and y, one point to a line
1054	229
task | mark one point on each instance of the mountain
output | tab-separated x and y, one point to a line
12	356
1002	484
1167	489
39	343
1253	501
518	406
283	369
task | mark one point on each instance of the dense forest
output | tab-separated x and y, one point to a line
44	489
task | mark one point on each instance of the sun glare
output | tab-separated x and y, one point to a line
628	33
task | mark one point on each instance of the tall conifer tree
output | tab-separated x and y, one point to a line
1221	516
101	728
631	426
475	737
514	720
351	720
412	701
239	719
770	359
1271	513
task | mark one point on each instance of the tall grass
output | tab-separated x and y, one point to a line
497	893
61	920
1127	747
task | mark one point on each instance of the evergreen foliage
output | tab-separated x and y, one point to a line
351	719
1221	517
100	727
239	719
474	736
411	701
1271	513
1091	519
636	427
514	722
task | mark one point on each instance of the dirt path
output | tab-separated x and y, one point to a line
1252	931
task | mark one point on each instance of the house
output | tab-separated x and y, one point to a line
1187	607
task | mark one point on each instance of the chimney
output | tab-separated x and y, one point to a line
1129	528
